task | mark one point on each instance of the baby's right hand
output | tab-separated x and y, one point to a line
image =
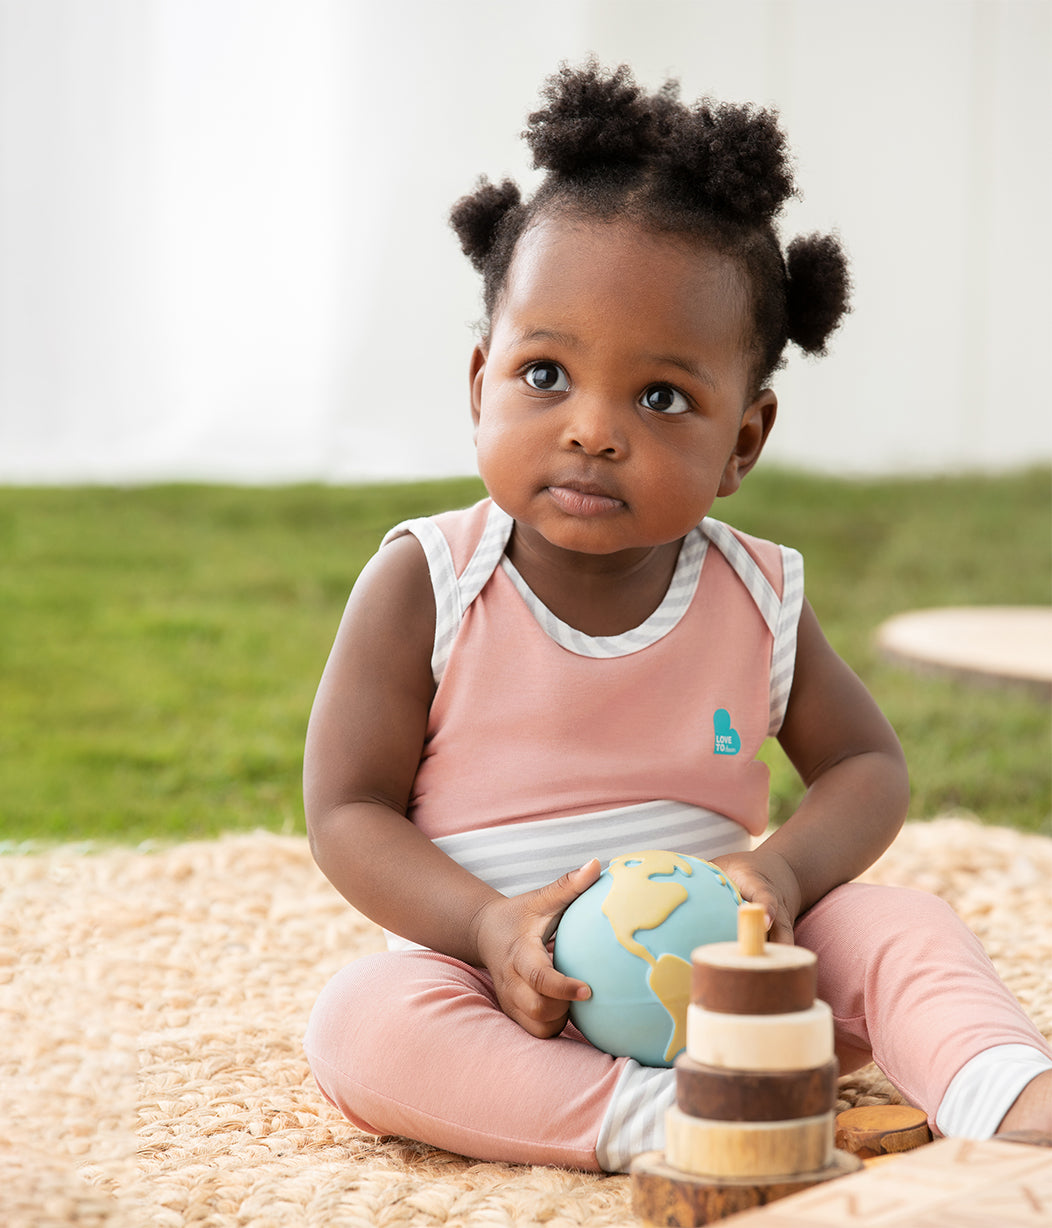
512	937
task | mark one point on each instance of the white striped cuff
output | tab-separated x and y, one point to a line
635	1117
986	1087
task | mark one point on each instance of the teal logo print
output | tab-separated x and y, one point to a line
728	740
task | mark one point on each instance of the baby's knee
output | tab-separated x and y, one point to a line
384	1019
347	1008
386	1006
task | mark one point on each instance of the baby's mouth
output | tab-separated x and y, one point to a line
584	500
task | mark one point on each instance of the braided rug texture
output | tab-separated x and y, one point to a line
152	1004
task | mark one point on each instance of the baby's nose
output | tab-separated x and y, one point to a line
596	427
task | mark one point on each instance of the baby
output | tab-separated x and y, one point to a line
587	663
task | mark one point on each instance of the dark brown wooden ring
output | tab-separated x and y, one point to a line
745	991
745	1095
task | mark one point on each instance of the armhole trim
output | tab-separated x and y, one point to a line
448	609
747	569
453	593
783	652
781	614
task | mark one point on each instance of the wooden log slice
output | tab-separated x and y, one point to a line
765	1149
781	979
754	1095
798	1040
881	1129
663	1195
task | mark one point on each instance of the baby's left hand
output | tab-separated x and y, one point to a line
764	877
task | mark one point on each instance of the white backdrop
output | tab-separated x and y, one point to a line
224	253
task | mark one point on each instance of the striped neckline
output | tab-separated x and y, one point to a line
673	606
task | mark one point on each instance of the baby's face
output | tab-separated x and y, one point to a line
612	400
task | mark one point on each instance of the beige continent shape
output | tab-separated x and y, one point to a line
636	902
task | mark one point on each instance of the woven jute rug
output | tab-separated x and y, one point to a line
152	1004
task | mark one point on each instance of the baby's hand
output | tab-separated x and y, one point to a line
764	877
512	940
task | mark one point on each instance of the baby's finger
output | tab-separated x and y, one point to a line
546	982
754	891
781	930
541	1023
541	1014
552	900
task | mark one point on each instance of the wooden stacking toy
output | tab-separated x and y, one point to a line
754	1118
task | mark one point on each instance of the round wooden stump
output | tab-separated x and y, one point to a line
664	1195
881	1129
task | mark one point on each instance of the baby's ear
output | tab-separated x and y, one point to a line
755	426
475	372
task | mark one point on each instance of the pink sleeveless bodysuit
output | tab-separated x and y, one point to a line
543	742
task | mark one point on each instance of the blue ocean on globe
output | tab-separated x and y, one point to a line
630	937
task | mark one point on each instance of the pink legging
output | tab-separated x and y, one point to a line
414	1043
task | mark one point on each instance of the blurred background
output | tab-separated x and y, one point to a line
225	265
223	243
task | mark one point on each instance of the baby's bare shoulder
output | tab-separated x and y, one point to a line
388	627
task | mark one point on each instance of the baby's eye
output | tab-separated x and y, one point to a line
664	399
546	377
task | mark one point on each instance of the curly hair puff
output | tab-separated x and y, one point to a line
719	173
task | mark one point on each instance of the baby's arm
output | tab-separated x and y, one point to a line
364	744
857	788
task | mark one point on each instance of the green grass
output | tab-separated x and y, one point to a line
160	646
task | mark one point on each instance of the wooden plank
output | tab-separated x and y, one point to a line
958	1182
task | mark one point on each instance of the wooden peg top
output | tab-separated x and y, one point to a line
751	976
752	929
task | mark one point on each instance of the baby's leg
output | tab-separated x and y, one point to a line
414	1043
910	984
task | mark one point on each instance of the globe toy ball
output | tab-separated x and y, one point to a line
630	937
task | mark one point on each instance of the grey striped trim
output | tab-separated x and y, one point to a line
487	555
673	606
519	857
783	653
747	568
635	1117
449	609
780	614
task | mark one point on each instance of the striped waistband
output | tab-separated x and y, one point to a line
520	857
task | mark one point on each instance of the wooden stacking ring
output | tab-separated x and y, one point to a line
781	980
746	1095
